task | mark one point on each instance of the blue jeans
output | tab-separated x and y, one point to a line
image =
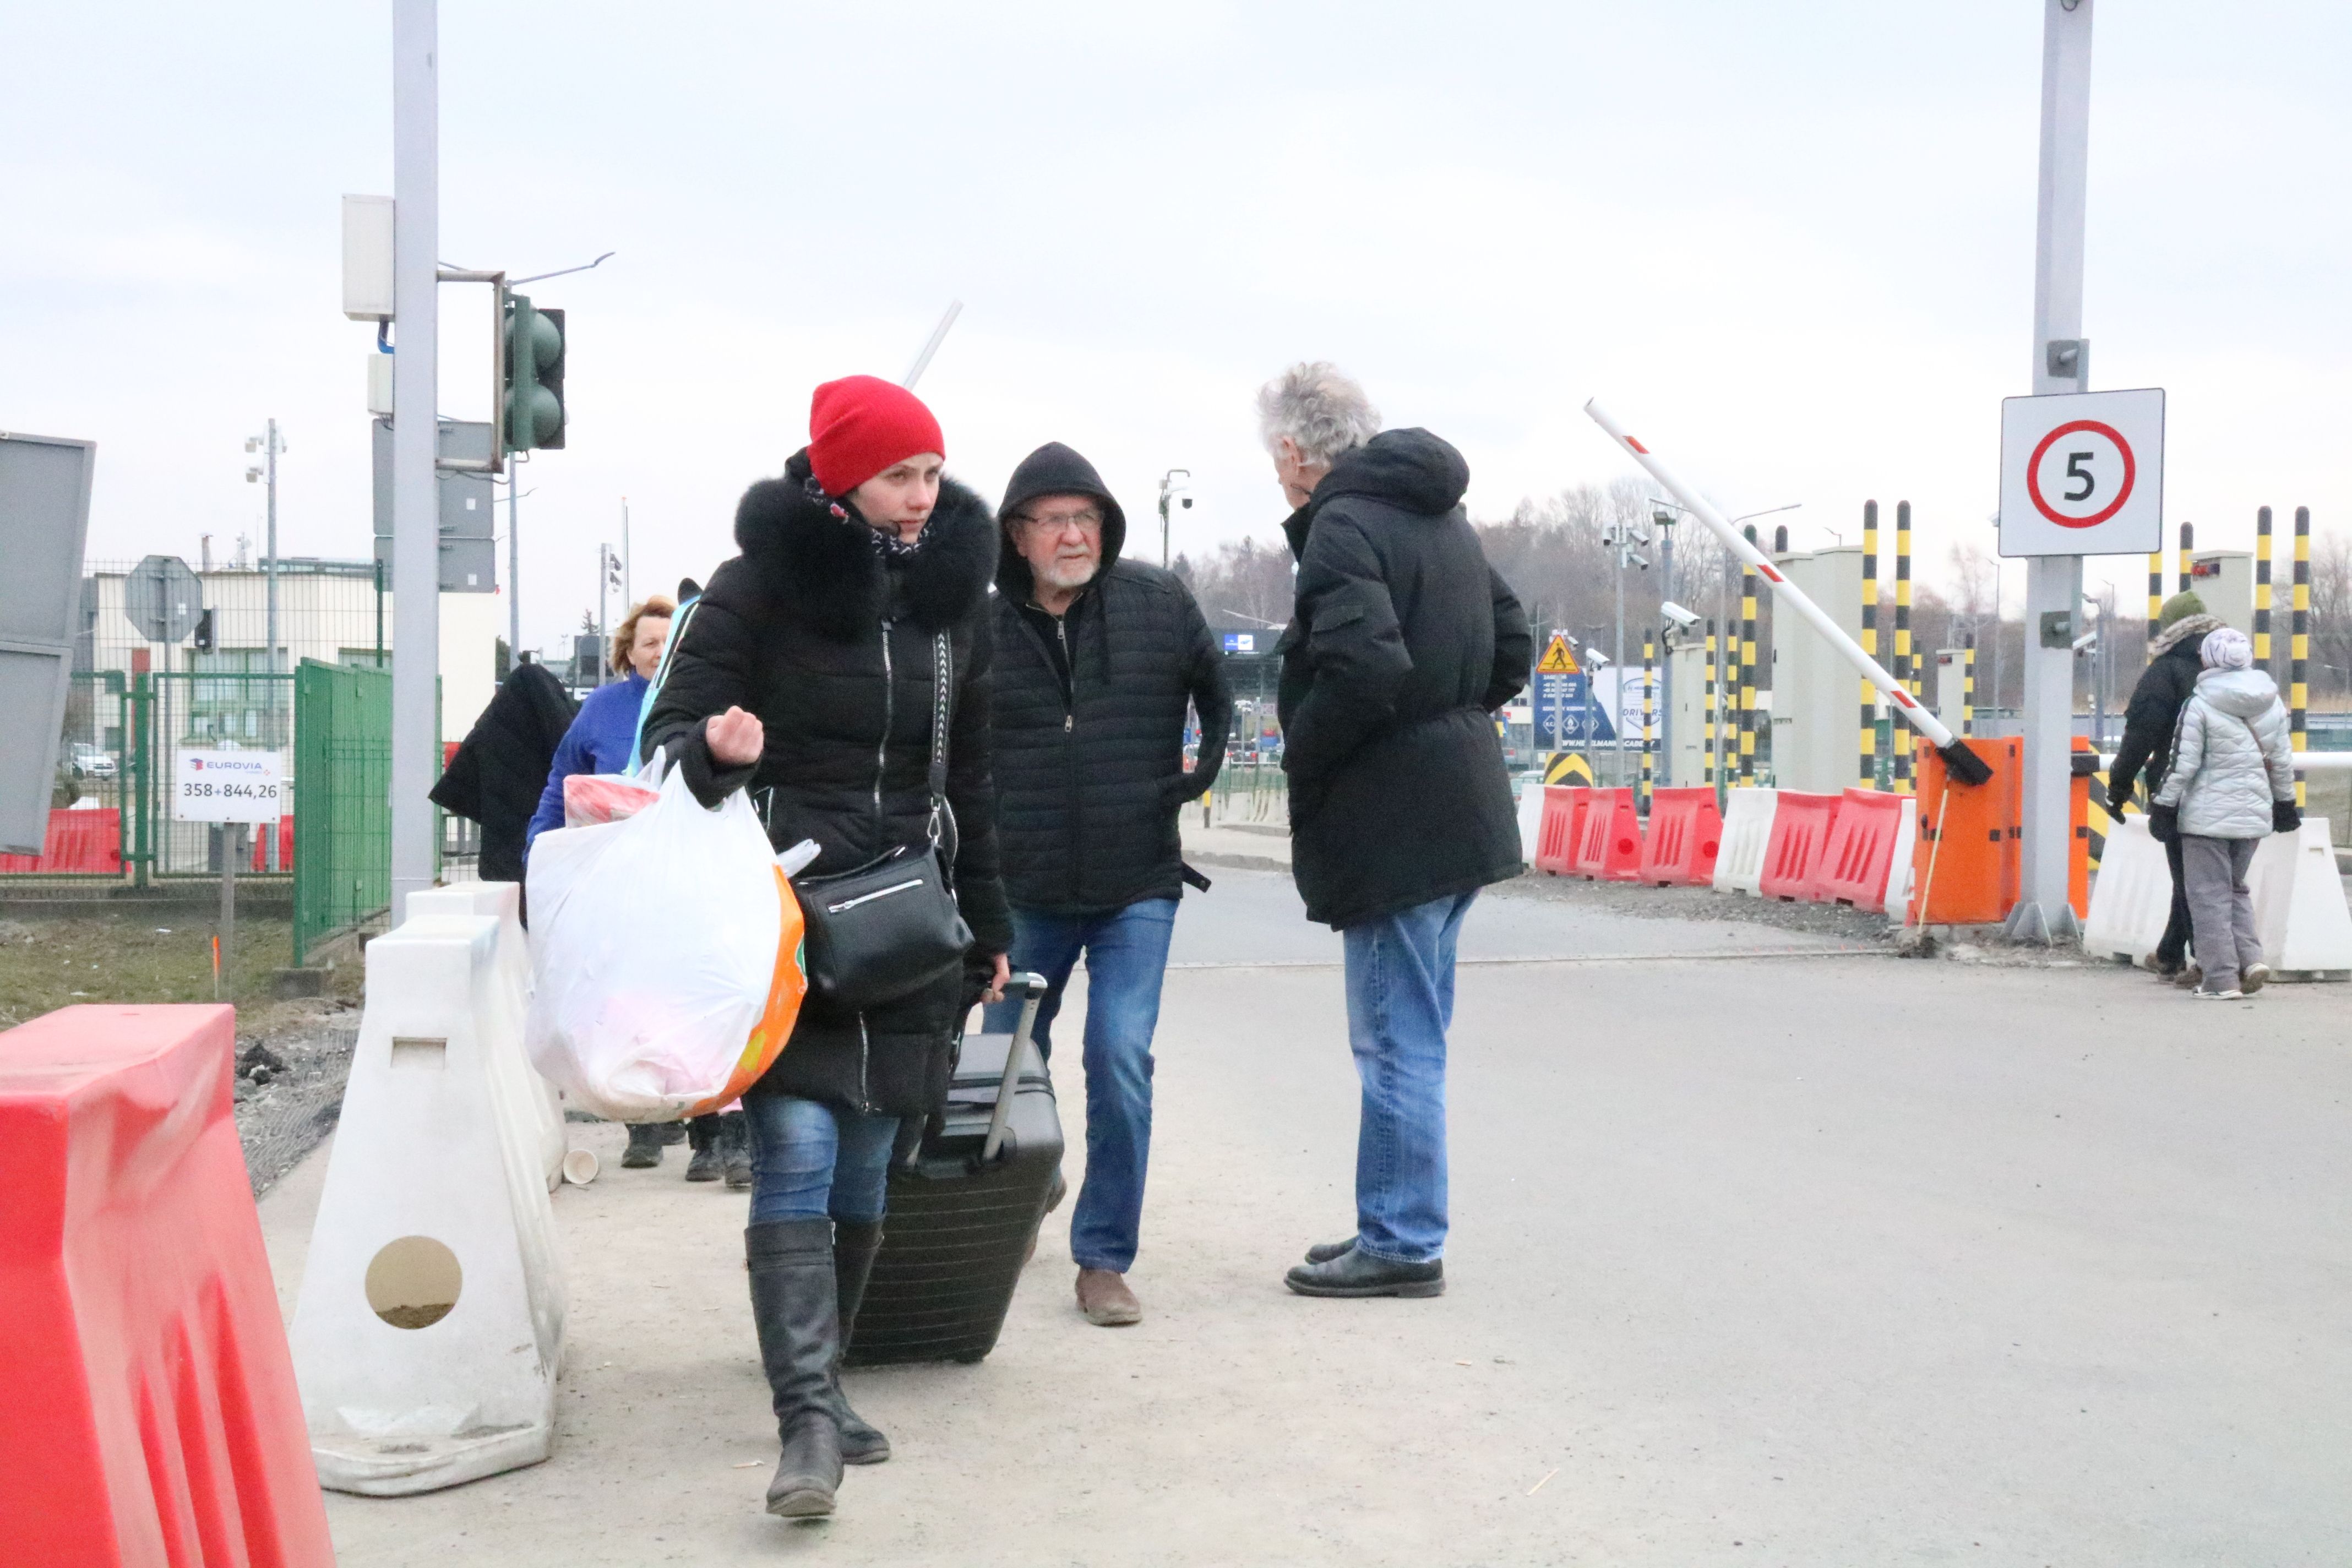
1127	953
1399	1004
810	1160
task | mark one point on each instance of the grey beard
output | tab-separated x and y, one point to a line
1066	578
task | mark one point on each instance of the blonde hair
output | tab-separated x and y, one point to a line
660	607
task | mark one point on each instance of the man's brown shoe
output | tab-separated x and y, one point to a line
1105	1298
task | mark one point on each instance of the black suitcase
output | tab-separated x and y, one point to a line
965	1205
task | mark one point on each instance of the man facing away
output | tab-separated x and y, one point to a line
1402	645
1097	658
2150	722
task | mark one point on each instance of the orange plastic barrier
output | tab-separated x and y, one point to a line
150	1415
1685	836
1801	831
2085	764
1556	831
1609	845
85	841
1966	863
1860	855
285	846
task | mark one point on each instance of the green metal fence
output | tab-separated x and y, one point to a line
342	799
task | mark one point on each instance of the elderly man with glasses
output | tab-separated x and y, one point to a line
1098	659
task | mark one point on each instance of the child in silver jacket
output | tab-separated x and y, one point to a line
2232	784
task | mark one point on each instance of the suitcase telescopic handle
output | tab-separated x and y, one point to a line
1033	991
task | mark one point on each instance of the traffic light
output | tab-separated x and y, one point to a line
533	398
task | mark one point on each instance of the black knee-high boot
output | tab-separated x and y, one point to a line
794	1305
854	1247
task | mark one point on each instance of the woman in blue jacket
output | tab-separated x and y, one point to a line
601	741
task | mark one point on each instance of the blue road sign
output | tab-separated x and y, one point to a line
1566	716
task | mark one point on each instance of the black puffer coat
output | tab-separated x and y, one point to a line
831	646
2153	718
1089	784
1403	644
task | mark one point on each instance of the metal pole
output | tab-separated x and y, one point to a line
1748	664
1665	767
269	633
232	840
1707	706
1649	716
1617	698
628	563
932	346
2262	597
416	533
603	616
2156	592
2187	547
2054	584
1869	642
1968	688
514	564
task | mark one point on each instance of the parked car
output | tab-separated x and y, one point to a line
89	762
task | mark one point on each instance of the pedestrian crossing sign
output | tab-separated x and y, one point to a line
1557	659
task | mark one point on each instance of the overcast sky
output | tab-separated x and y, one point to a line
1791	244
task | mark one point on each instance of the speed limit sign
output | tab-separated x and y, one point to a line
2082	473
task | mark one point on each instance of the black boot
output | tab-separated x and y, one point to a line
703	1134
645	1146
792	1304
735	1149
854	1247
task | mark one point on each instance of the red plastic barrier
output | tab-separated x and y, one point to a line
1685	835
76	841
1860	852
1556	831
1609	845
1801	831
151	1414
285	846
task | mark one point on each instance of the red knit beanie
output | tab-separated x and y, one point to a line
861	424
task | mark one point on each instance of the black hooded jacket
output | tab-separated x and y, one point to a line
830	645
2153	712
1089	711
1403	644
497	775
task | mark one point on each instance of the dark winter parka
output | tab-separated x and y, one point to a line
504	761
2153	717
1090	772
830	643
1403	644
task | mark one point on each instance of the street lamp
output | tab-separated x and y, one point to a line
1180	494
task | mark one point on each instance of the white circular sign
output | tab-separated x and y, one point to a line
2082	473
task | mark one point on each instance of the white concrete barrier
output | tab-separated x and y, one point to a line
1531	799
429	1330
1747	833
2131	896
2300	914
1898	874
522	1091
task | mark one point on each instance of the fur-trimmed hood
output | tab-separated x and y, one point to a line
2197	626
814	558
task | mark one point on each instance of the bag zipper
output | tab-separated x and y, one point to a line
882	747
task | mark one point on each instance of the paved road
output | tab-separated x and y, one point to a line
1818	1260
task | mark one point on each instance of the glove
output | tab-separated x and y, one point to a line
2286	817
2164	823
2118	794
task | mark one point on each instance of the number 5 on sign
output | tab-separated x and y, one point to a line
226	786
2082	473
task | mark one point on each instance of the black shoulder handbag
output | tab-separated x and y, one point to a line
891	926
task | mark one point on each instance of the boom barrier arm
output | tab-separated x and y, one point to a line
1965	764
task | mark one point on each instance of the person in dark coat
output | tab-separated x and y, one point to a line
2151	720
1403	644
804	674
1098	659
498	774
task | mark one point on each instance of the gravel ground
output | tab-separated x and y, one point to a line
290	1088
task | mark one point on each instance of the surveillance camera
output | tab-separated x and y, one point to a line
1679	615
1187	500
1639	560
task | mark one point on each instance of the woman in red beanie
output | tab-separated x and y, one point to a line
804	674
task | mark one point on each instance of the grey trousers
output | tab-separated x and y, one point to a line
2219	909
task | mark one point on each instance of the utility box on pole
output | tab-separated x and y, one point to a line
1812	682
1686	689
2224	579
1951	688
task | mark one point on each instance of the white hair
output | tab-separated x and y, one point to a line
1322	412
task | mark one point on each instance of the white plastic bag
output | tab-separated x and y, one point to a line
664	954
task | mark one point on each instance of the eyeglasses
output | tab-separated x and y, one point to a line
1090	520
